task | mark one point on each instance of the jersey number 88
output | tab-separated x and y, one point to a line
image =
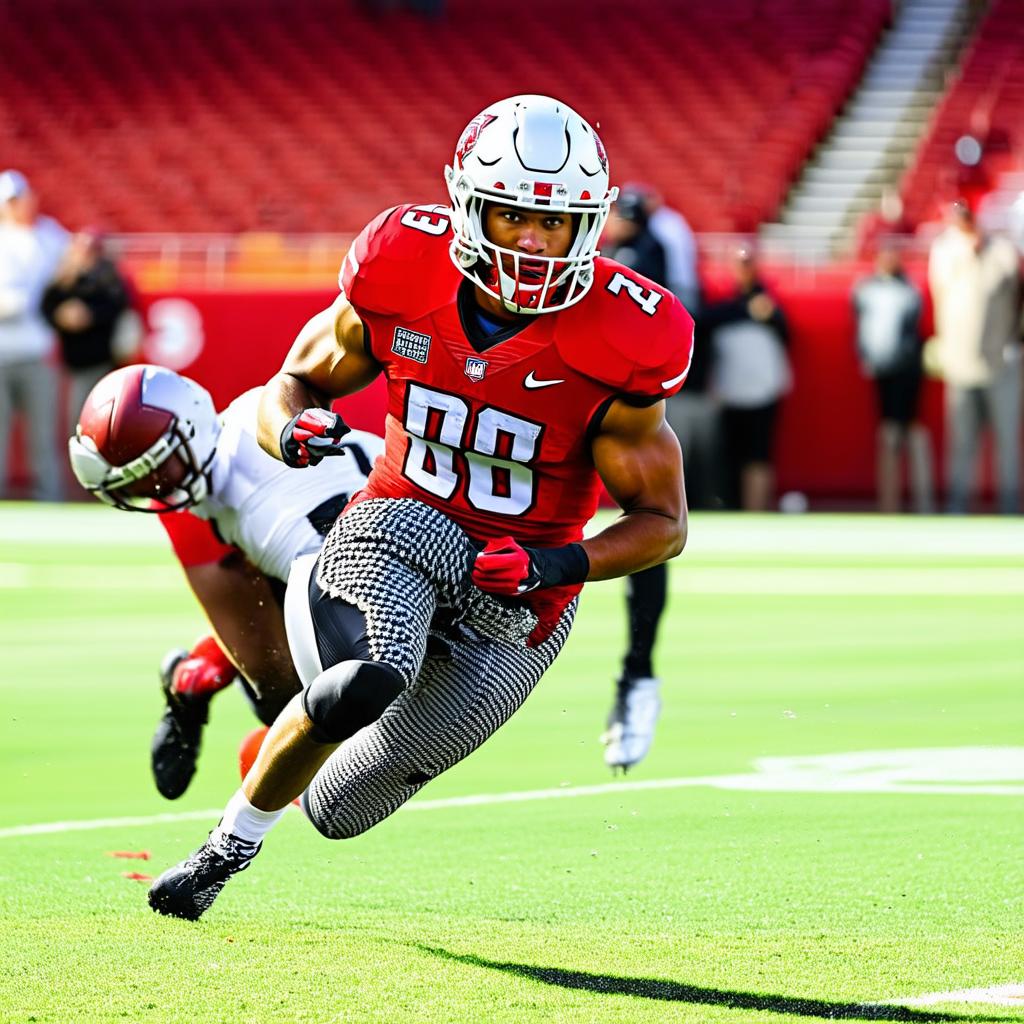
495	462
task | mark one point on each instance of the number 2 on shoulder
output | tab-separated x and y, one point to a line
646	298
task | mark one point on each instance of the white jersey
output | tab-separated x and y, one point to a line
268	510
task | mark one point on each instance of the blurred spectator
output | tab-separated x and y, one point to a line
31	247
85	303
671	229
975	285
749	375
692	413
888	312
629	239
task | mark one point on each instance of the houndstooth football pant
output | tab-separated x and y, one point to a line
400	562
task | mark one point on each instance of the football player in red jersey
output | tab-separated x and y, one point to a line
524	372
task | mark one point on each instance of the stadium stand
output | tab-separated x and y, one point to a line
984	101
168	117
874	137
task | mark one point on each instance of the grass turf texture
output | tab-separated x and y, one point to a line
785	636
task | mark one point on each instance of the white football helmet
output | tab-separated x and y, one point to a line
132	422
532	152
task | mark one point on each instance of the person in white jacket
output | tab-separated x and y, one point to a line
975	285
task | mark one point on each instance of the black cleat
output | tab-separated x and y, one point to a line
188	889
175	747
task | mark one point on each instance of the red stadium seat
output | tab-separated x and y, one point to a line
985	99
181	115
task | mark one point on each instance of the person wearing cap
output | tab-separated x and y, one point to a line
671	229
629	240
975	286
84	303
31	247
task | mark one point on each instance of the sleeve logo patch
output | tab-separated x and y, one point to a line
411	344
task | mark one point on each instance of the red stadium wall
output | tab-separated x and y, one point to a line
826	443
233	340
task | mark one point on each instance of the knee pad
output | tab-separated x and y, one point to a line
349	696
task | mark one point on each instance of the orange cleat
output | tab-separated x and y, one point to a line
250	748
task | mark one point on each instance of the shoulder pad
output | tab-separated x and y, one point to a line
629	333
399	263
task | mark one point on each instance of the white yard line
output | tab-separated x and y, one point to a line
969	771
50	827
477	800
993	995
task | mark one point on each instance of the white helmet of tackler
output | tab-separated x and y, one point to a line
132	422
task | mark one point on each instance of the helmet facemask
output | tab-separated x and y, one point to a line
518	132
144	422
107	482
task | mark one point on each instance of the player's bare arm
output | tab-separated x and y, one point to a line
240	604
327	360
638	458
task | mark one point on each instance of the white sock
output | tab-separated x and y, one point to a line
245	821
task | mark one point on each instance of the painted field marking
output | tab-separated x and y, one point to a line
993	995
52	827
931	771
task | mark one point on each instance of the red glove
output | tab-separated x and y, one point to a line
311	435
506	567
206	670
503	567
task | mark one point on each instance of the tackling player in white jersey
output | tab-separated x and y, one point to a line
150	440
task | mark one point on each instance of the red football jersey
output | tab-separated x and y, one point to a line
193	539
495	431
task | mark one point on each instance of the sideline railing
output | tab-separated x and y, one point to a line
159	262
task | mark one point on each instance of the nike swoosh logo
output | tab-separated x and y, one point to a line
669	384
532	382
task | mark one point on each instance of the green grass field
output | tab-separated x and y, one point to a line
760	880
